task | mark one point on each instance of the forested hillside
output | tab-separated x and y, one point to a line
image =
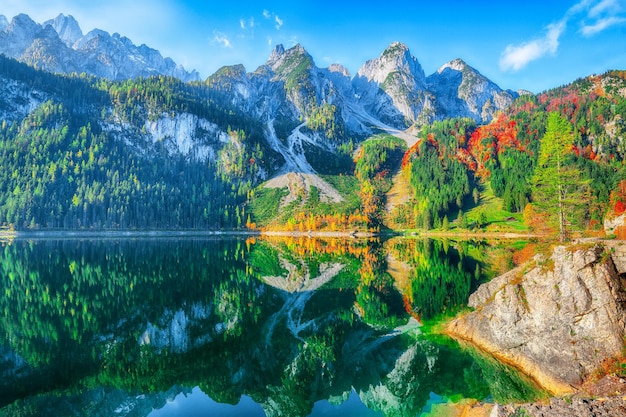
456	161
82	157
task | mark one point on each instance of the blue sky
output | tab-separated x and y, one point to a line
533	45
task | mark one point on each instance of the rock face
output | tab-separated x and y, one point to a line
556	319
393	86
461	91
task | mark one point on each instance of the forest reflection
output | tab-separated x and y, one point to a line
87	324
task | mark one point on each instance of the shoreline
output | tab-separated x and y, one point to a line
485	235
352	234
80	234
343	234
457	330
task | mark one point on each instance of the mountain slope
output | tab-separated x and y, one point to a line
461	91
460	167
84	153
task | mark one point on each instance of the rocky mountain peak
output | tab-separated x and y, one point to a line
227	77
18	35
89	37
47	32
3	22
463	91
396	58
458	69
289	64
394	84
22	27
231	71
456	64
67	28
338	68
396	49
282	60
24	22
275	56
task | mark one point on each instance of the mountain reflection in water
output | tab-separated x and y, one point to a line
257	326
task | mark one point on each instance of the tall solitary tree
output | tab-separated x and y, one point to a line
558	188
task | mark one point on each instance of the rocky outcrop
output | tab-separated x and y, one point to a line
615	225
556	319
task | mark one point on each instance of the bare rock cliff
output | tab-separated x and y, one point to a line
555	319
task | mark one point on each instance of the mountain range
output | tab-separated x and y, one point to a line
392	88
59	45
98	132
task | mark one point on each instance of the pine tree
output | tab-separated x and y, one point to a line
462	220
558	188
446	223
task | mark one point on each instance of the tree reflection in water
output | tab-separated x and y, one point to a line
123	325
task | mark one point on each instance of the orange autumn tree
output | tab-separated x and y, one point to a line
488	141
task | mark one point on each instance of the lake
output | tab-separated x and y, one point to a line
241	326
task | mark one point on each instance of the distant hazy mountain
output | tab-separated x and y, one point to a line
59	45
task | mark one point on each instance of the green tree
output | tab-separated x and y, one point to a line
482	220
462	220
558	187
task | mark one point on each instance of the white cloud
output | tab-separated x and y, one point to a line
593	16
221	39
516	57
601	16
273	16
279	22
609	6
246	24
600	25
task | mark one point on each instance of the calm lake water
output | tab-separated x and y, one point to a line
240	327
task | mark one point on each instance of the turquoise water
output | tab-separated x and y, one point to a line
237	327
